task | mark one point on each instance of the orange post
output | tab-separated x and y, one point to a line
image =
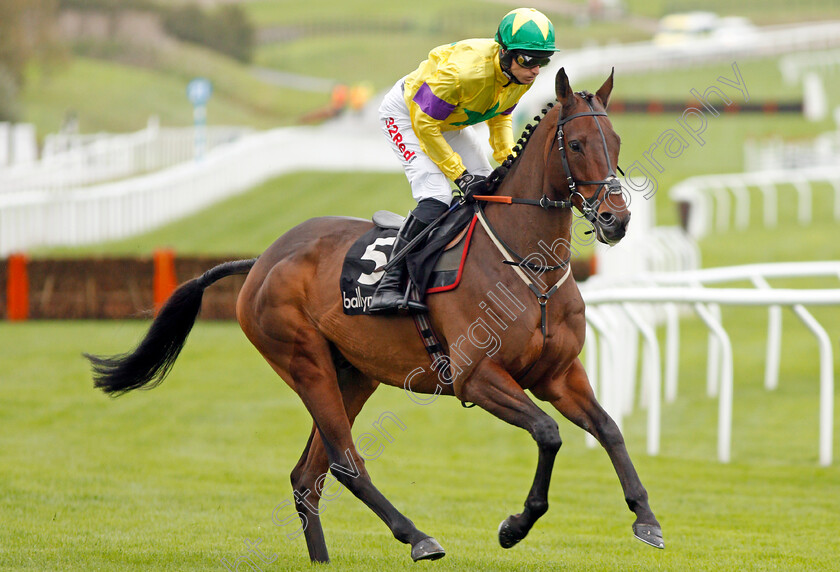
593	265
338	98
164	277
17	288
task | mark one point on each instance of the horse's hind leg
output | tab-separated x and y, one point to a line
315	379
308	476
572	395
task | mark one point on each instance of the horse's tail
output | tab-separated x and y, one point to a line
150	362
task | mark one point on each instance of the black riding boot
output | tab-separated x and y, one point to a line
390	292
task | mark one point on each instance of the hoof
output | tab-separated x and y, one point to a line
508	538
649	534
427	549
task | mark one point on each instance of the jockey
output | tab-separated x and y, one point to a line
428	117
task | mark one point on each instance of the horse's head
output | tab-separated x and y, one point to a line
584	157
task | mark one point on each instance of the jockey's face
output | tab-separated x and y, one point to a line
524	75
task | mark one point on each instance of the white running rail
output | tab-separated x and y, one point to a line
794	66
647	56
619	313
70	161
122	208
713	198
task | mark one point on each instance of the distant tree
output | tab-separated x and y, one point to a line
233	32
9	110
26	31
226	29
187	23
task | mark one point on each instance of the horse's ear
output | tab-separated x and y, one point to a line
605	90
563	90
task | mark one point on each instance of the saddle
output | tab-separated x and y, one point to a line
436	267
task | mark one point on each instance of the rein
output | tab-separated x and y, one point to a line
543	202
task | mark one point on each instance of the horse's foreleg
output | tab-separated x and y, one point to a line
308	476
492	389
572	395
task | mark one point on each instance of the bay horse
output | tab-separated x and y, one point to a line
290	308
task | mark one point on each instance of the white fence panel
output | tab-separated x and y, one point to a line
71	161
123	208
711	196
641	302
794	66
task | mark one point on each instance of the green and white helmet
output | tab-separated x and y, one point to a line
526	30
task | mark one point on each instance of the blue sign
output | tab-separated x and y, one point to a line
199	91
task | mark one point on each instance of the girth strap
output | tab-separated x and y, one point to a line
432	344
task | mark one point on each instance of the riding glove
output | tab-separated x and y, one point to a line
471	185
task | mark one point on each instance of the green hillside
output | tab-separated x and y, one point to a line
119	97
115	87
249	222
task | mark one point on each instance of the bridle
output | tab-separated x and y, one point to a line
589	207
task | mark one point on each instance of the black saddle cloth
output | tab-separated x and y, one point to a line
372	250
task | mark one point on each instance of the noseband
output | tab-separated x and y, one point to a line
589	207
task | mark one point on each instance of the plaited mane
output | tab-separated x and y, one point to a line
497	176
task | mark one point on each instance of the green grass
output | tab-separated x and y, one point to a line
764	12
124	85
178	477
354	58
788	241
267	13
724	135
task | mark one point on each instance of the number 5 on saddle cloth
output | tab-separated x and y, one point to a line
434	267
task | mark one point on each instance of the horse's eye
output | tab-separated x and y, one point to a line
575	146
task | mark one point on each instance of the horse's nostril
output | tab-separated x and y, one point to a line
607	219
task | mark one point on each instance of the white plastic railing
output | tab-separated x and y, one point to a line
793	66
712	198
123	208
623	311
71	161
775	154
34	213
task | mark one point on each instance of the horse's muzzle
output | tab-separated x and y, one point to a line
610	228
